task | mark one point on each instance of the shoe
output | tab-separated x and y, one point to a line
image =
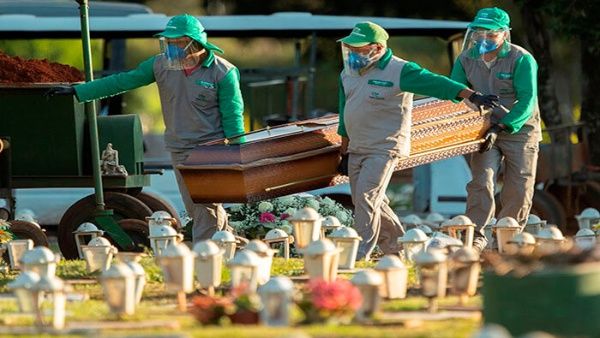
479	244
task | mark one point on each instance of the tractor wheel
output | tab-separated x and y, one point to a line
122	205
548	207
138	231
157	203
28	230
544	205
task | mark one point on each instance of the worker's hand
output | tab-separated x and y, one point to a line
60	90
488	101
490	138
343	165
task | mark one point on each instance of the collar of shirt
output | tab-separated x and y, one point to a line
385	59
206	63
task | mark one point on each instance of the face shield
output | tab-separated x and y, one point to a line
357	60
481	43
180	53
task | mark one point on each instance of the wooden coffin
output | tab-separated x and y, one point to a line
304	155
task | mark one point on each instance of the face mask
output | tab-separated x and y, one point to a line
486	46
357	61
175	52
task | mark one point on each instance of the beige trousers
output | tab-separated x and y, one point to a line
520	160
208	218
374	220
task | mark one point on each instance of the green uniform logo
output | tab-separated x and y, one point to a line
504	76
381	83
206	84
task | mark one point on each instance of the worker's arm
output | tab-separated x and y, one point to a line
231	104
421	81
525	85
117	83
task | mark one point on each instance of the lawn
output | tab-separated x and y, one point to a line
159	307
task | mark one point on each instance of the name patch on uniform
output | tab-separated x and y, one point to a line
504	76
206	84
381	83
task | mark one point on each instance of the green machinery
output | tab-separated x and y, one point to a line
54	141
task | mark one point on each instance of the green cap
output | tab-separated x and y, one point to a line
187	25
365	33
491	18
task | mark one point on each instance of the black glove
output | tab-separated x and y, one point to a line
60	90
490	138
488	101
343	166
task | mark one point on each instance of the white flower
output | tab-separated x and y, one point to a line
286	201
328	202
290	211
342	216
236	225
313	203
265	206
287	228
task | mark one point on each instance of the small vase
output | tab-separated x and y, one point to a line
245	317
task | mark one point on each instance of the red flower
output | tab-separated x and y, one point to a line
267	217
337	296
284	216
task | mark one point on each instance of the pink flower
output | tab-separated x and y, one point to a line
267	217
337	296
284	216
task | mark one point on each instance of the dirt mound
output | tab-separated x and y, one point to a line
19	70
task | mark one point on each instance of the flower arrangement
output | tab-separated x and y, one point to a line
254	220
333	302
5	234
240	306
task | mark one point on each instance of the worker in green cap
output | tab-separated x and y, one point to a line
200	100
375	104
489	62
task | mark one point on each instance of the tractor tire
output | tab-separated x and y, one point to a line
122	205
138	231
544	205
548	207
157	203
28	230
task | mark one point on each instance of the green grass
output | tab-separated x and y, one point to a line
158	305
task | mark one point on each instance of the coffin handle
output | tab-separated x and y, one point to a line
267	189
